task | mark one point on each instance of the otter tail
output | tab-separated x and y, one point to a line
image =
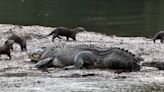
50	34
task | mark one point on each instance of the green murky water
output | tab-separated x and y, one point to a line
118	17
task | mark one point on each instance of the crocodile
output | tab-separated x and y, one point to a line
77	58
63	31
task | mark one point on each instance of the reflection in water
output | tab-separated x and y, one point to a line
119	17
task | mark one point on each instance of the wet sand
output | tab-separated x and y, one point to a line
17	74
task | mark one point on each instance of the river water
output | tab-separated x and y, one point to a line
112	17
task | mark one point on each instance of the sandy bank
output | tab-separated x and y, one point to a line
17	74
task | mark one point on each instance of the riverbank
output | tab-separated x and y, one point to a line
16	75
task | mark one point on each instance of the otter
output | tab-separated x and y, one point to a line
5	49
159	35
63	31
21	40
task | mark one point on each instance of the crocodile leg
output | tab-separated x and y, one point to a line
84	57
43	62
77	65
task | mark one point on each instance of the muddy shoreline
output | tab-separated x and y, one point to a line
17	74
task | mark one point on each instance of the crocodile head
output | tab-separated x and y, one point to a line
35	55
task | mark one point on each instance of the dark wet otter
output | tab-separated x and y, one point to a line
159	35
21	40
5	49
63	31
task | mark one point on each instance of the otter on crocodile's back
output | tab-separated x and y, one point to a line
5	49
63	31
21	40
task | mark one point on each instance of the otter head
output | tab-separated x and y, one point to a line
79	29
9	42
35	55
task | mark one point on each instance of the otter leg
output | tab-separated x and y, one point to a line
154	39
43	63
8	54
54	36
74	38
67	38
12	47
162	39
23	47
